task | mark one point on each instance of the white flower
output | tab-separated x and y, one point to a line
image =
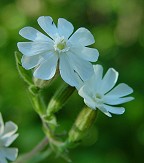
98	92
7	136
69	52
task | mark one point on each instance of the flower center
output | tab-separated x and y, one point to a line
98	96
98	99
60	44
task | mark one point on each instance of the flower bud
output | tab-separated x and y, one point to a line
83	123
59	99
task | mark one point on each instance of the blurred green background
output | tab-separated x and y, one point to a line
118	28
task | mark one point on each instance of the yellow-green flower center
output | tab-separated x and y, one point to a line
61	45
98	99
98	96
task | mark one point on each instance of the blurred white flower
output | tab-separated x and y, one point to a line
7	136
69	52
98	92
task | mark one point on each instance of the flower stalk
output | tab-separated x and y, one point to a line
37	101
36	150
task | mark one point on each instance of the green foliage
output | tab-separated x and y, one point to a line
118	28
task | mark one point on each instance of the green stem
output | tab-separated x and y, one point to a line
40	107
28	156
37	101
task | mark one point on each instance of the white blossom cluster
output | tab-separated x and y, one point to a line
59	49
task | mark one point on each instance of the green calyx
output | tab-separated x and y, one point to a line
59	99
83	123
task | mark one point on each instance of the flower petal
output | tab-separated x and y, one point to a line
116	101
82	36
98	70
31	62
88	54
104	110
32	34
10	153
114	110
1	125
120	90
109	80
80	83
67	72
95	81
34	48
9	129
65	28
83	68
7	141
90	103
2	158
47	69
47	24
87	94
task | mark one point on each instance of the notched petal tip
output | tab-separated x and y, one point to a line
114	72
10	128
43	17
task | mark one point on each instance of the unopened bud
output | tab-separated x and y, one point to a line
83	123
60	98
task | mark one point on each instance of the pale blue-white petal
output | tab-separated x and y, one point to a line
9	129
1	125
88	54
8	140
95	81
9	153
34	48
98	73
114	110
80	83
109	80
90	103
82	36
82	67
66	71
47	24
87	94
120	90
104	110
47	69
1	142
116	101
65	28
31	62
32	34
2	158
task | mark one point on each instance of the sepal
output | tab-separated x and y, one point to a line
83	123
59	99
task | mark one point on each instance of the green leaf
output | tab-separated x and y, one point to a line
25	75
